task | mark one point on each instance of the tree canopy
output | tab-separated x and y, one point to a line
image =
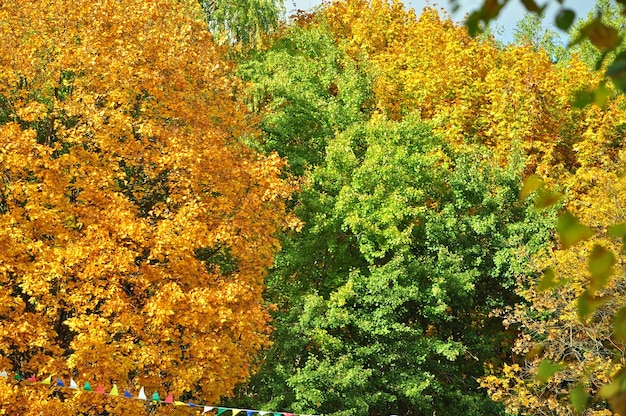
135	225
362	210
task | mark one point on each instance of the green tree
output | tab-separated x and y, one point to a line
383	300
610	15
307	91
243	20
530	30
411	256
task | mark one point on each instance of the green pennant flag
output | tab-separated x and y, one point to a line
155	397
87	386
18	377
220	410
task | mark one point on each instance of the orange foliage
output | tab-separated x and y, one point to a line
135	229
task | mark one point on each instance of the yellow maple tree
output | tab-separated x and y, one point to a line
471	89
135	227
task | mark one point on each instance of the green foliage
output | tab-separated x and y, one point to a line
530	29
307	91
383	301
547	369
571	231
578	397
605	17
242	20
407	248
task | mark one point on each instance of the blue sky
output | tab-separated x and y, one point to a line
509	16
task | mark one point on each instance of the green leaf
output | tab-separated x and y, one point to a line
609	390
530	185
602	36
531	6
491	9
473	23
619	231
588	304
578	397
571	231
547	369
548	280
546	198
619	325
614	393
618	402
564	19
601	263
601	95
617	71
583	98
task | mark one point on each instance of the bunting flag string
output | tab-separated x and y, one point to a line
57	383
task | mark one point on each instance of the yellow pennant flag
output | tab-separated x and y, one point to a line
235	411
48	380
114	391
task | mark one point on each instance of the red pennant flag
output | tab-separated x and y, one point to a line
169	398
32	379
100	389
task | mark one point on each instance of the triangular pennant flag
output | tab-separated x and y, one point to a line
192	404
47	380
155	396
127	394
32	379
169	398
114	391
100	389
4	374
142	394
207	409
87	386
60	383
250	412
235	411
220	410
288	414
177	403
18	377
73	384
263	413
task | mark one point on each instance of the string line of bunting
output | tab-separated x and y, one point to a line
169	399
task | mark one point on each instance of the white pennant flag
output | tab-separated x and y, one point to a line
207	409
4	374
142	395
73	384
